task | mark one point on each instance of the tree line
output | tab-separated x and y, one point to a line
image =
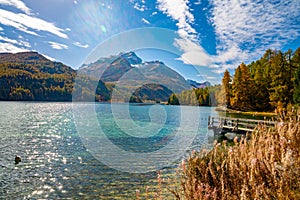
263	85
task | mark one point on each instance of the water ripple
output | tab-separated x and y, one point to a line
55	164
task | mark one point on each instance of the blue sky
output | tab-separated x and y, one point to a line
213	35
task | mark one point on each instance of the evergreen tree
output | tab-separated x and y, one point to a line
281	91
296	64
173	100
242	89
226	86
260	96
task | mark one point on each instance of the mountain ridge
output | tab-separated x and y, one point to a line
135	69
31	76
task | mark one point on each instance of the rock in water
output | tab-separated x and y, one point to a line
17	159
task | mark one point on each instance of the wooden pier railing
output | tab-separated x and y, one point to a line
236	125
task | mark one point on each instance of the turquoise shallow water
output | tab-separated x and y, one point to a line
56	163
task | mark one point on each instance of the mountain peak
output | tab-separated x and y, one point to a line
132	58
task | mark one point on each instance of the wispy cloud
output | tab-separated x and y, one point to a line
208	77
29	24
139	5
145	21
188	42
58	46
17	4
179	11
154	13
197	2
245	29
15	42
10	48
193	53
81	45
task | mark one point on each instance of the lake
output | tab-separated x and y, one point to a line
65	156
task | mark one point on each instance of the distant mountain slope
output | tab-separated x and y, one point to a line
31	76
196	84
128	70
151	92
115	70
159	73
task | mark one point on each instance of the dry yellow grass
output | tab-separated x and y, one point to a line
267	166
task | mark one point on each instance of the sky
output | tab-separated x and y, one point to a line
212	35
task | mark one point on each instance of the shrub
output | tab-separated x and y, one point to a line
266	166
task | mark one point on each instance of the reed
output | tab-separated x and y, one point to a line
266	166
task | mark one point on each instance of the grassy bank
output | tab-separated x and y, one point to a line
266	166
249	113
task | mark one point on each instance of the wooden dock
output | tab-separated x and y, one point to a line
222	125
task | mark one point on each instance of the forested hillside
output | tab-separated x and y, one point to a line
263	85
30	76
271	81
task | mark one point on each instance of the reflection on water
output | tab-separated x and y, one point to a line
55	163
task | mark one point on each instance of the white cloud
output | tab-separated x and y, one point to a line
29	24
192	53
154	13
197	2
58	46
145	21
245	28
75	2
139	5
10	48
5	39
17	4
179	11
1	29
81	45
24	43
188	42
15	42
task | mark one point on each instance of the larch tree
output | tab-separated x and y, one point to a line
281	91
242	88
227	87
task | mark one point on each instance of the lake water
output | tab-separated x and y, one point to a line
59	162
